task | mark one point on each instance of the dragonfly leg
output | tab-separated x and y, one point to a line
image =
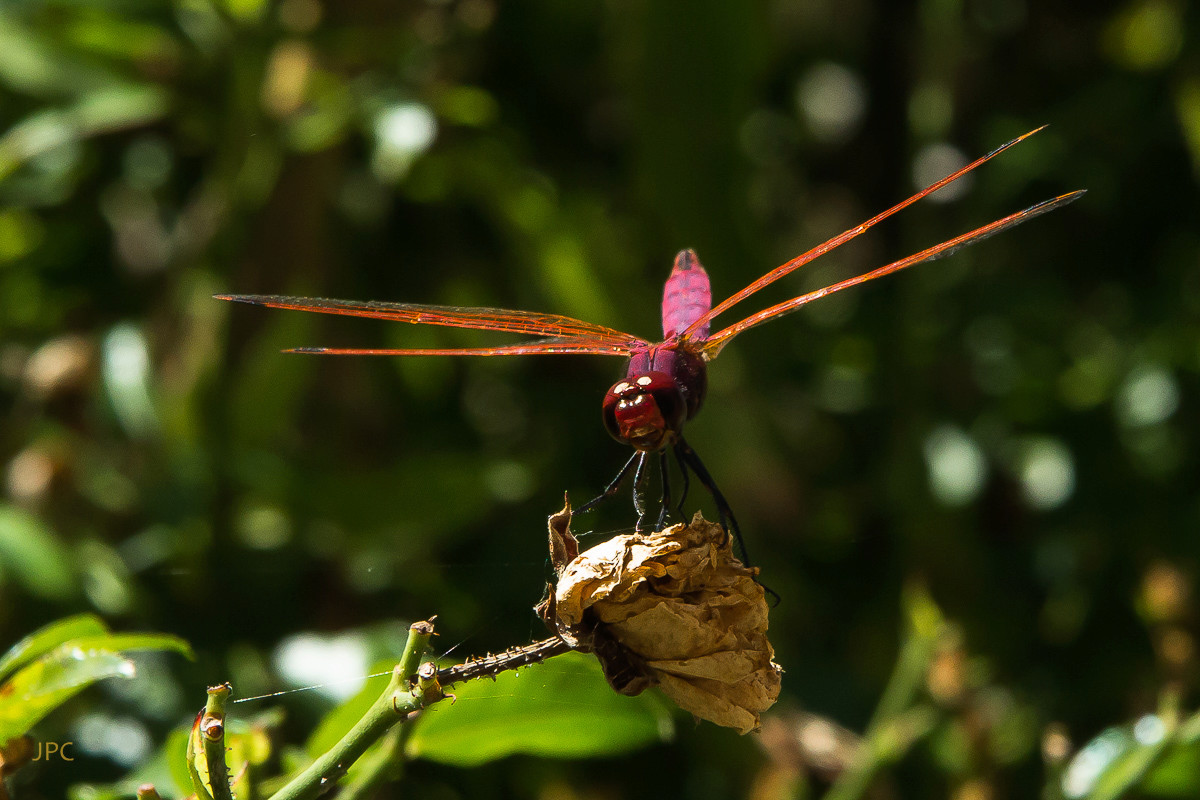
683	494
663	467
613	485
688	459
639	491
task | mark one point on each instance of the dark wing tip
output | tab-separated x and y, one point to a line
1057	202
255	299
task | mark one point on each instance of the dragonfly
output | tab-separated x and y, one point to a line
664	382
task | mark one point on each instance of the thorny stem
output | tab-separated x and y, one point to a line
396	704
385	763
212	734
492	665
411	687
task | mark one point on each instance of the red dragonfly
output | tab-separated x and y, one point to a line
664	382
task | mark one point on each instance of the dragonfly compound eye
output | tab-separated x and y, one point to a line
645	411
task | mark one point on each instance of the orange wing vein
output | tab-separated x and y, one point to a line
568	335
713	344
842	238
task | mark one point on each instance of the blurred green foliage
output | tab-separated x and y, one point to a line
1014	427
50	666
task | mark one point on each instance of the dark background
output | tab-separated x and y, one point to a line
168	468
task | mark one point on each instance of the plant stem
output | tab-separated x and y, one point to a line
894	726
392	706
212	734
490	666
384	763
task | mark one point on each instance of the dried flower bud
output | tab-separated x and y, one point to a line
673	609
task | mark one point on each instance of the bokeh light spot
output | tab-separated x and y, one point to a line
120	739
833	101
20	233
402	133
509	481
337	663
1149	730
469	105
1146	36
957	466
1047	473
1148	396
264	527
936	161
1092	761
126	369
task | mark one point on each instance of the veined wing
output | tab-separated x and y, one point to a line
584	345
713	344
842	238
566	334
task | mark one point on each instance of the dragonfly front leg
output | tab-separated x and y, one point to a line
639	491
612	487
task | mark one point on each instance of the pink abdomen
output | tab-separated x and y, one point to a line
687	296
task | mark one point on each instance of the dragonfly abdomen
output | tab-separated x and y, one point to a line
687	295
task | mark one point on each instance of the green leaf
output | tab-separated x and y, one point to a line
1176	774
34	555
40	687
105	110
45	639
196	763
176	753
62	659
118	107
338	722
122	642
561	709
34	64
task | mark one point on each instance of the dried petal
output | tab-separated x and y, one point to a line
563	546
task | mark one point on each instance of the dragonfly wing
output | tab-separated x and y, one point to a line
821	249
490	319
713	344
581	346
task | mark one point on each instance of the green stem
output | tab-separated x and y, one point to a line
394	705
212	734
382	764
894	725
1139	763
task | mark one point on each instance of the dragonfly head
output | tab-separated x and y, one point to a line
645	411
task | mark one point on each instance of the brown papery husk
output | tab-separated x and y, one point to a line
673	609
